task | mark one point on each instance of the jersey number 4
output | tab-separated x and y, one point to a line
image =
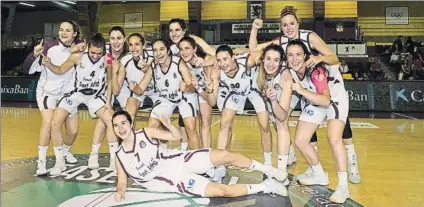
92	74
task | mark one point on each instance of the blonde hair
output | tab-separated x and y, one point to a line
261	76
261	73
289	10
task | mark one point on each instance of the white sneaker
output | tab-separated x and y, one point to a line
274	187
354	176
279	175
180	149
314	179
219	174
163	145
291	159
41	167
70	158
210	172
308	172
58	168
93	161
112	164
340	194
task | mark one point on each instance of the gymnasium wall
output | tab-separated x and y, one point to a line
341	9
215	10
371	19
219	18
110	15
173	9
32	23
305	9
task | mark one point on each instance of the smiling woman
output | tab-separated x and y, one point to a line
50	89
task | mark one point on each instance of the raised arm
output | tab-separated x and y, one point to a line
210	94
140	88
253	39
73	60
205	46
79	47
327	55
173	133
118	76
251	61
286	90
319	79
185	72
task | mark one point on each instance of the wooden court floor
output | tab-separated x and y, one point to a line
390	151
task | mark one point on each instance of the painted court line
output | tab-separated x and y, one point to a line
216	122
405	116
233	180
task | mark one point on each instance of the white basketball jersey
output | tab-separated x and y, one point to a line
306	83
168	83
91	75
303	36
199	74
49	82
134	74
255	73
334	77
275	83
142	163
242	82
336	83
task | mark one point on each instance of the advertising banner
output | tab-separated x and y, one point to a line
19	89
351	49
245	28
397	15
363	95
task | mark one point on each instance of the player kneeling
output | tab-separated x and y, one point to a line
141	159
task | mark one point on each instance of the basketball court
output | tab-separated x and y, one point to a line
388	147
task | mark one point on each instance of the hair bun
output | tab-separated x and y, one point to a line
288	10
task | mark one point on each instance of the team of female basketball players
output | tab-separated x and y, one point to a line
193	76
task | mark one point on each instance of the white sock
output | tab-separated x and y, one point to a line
342	178
66	149
220	170
184	145
95	148
282	162
351	154
164	145
316	148
113	147
58	152
291	150
268	158
318	170
255	188
257	166
42	152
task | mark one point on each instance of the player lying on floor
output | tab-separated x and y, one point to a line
142	159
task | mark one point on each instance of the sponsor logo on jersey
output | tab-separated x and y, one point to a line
142	144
